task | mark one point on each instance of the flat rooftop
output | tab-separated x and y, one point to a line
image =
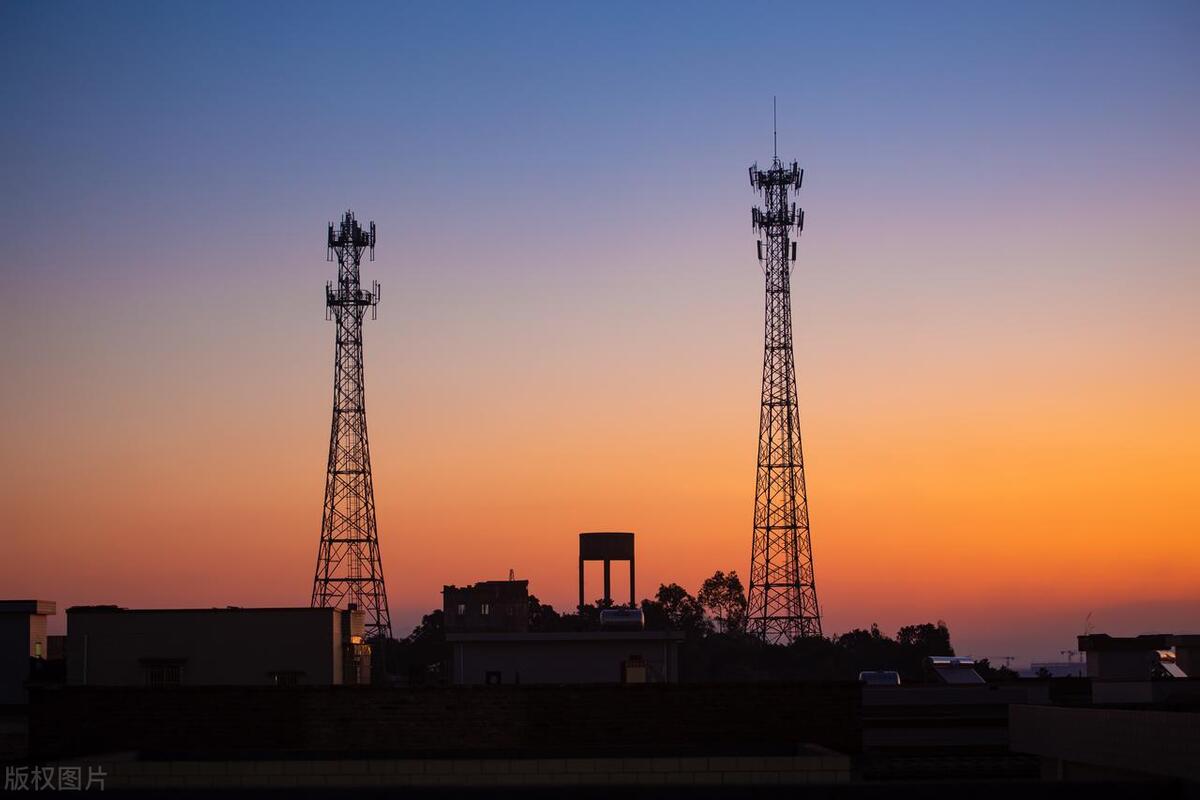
1099	642
44	607
569	636
219	609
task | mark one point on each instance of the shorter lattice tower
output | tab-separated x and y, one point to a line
349	568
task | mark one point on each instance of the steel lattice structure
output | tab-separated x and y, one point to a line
349	569
783	595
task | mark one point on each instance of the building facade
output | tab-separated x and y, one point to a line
565	658
111	646
487	606
23	644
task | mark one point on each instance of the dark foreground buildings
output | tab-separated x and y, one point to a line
23	643
1133	724
111	646
487	631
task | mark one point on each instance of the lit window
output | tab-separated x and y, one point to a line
462	609
37	649
485	609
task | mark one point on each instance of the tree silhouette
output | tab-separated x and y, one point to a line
1001	674
543	617
932	640
431	629
674	609
723	597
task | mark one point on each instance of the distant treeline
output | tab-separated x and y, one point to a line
716	647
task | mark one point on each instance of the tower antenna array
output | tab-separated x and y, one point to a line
783	595
349	569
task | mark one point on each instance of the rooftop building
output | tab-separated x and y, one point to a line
613	656
487	606
111	646
1155	655
1148	669
23	643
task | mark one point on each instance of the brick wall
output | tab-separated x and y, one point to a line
444	722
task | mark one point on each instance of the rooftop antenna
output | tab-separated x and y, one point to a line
775	124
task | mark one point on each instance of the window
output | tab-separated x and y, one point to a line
485	609
462	609
285	677
37	649
162	672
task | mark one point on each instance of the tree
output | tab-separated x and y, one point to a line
422	655
927	639
1001	674
674	609
917	643
431	630
723	597
585	618
542	616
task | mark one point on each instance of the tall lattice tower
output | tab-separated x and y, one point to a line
783	595
349	569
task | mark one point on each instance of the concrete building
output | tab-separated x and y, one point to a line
1095	745
1123	658
23	643
487	606
1187	653
111	646
1150	669
565	658
943	718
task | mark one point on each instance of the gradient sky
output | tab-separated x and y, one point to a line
995	301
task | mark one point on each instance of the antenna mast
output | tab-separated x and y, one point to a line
783	595
349	568
775	125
